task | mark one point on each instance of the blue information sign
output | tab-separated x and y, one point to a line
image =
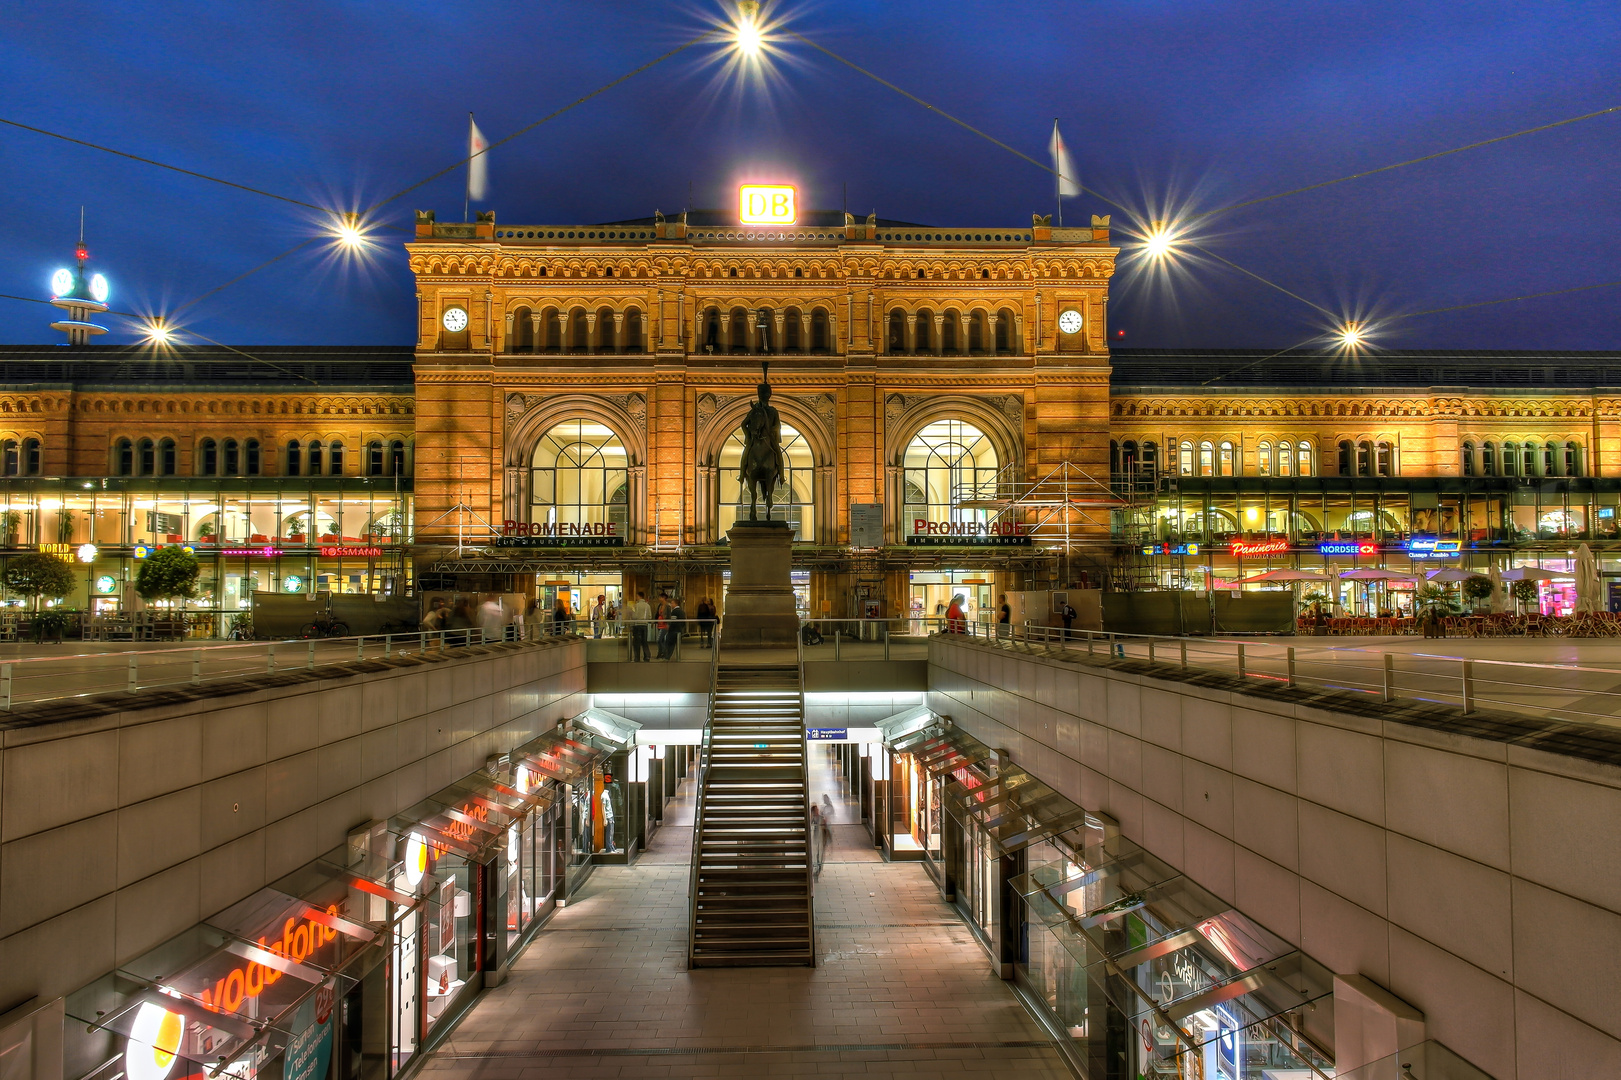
833	733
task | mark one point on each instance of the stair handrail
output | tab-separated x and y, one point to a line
698	801
810	836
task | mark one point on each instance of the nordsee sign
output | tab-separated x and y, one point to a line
559	534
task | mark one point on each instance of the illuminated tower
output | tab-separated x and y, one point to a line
80	295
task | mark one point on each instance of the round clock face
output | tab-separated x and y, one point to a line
1070	321
455	319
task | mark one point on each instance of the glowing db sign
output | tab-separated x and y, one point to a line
765	204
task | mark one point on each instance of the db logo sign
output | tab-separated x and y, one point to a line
765	204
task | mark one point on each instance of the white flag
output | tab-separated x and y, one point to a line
478	165
1069	182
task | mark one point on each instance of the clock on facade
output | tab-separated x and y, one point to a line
455	319
1070	321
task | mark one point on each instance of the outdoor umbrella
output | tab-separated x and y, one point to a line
1587	582
1451	574
1532	573
1279	575
1376	575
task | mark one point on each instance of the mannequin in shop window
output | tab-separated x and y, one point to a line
608	815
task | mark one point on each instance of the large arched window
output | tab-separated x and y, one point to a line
949	463
230	458
124	458
1303	460
794	499
579	475
167	459
146	455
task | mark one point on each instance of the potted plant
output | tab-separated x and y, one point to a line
1435	604
64	526
295	528
205	532
1477	590
11	523
1312	605
168	573
1525	592
38	574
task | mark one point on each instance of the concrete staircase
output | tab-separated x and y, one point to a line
751	887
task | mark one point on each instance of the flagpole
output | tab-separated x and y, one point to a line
467	197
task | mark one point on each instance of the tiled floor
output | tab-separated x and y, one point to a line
900	988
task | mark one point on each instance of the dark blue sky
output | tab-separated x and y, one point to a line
1185	104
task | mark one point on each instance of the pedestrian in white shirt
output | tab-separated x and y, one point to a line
640	618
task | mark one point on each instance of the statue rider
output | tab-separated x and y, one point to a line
762	445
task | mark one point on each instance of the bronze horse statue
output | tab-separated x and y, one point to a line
761	468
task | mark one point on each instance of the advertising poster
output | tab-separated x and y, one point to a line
309	1052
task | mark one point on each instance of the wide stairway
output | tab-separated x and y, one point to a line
751	877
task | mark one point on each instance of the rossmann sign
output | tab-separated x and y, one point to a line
559	534
925	533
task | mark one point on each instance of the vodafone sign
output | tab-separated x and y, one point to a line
766	204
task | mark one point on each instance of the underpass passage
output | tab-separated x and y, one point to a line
900	987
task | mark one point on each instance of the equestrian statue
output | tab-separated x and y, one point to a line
761	467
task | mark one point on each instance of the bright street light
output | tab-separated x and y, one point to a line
1351	335
156	331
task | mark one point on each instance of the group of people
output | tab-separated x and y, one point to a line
649	626
957	618
665	624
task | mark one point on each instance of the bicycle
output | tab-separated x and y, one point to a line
324	626
242	628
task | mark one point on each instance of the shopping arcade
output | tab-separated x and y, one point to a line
1116	950
379	943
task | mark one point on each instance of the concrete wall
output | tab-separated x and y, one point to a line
1478	880
120	829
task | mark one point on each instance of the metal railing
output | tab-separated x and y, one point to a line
1583	693
698	803
52	678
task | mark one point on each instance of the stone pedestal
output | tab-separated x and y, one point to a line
760	611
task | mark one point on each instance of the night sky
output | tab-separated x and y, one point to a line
1167	106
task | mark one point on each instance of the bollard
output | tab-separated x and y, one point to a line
1390	677
134	659
1468	687
1151	650
1090	643
5	687
310	665
270	658
424	642
1184	651
1240	661
360	648
1290	652
197	667
388	646
837	638
886	643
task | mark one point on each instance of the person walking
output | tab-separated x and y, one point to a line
1004	618
815	840
560	617
599	615
492	618
706	613
1069	620
434	620
672	633
639	615
956	622
827	823
661	622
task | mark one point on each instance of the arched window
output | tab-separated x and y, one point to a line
1226	464
976	333
31	455
607	328
374	458
207	458
334	457
1263	459
146	457
922	341
124	458
1364	458
294	458
523	332
579	475
396	458
231	458
1004	331
949	337
739	328
1511	459
790	332
316	456
1528	459
1303	465
1573	459
819	337
1347	458
1150	460
1184	460
1488	459
897	332
1468	456
1285	452
167	458
1386	459
948	463
792	500
1207	459
250	451
552	331
1550	460
579	332
1128	457
10	457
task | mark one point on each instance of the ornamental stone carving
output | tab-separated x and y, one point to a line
710	404
1012	406
634	405
894	406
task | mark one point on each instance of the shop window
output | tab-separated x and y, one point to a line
316	455
1226	466
124	458
250	453
31	454
1386	459
295	458
1263	459
146	455
396	458
1207	459
792	500
11	457
579	475
334	458
166	457
1303	465
1488	459
232	454
1468	458
952	463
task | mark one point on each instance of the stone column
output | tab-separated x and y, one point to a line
911	334
991	319
780	316
506	341
895	500
515	496
805	332
590	331
636	510
825	498
940	335
562	331
619	332
535	342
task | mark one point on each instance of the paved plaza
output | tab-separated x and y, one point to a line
900	987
